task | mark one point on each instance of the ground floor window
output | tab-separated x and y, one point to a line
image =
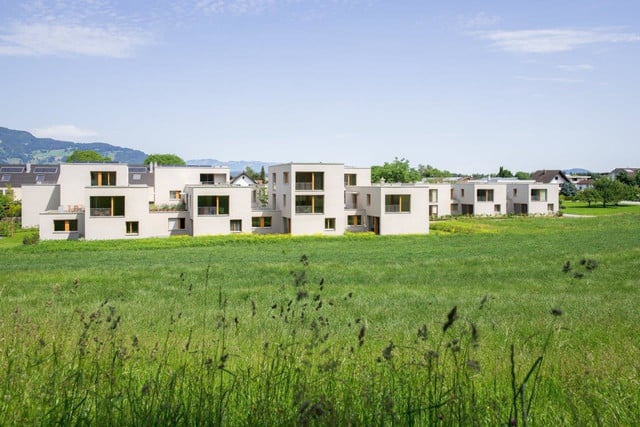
397	203
433	210
354	220
235	225
496	209
132	228
329	223
261	221
550	207
65	225
177	224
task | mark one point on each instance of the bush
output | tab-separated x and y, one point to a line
31	239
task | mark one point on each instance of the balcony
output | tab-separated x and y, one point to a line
207	210
100	212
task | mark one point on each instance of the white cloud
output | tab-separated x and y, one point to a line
40	39
549	79
479	20
553	40
576	67
237	7
64	132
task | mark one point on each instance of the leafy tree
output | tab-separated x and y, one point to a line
624	178
396	171
504	173
9	209
589	195
164	159
523	176
431	172
262	174
253	174
567	189
87	156
611	192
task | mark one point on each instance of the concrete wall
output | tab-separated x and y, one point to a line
175	178
36	199
239	209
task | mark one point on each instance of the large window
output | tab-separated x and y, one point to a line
106	206
207	178
310	204
261	221
538	195
98	179
484	195
350	179
309	180
213	205
433	196
65	225
397	203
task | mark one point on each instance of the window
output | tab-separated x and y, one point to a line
213	205
106	206
368	199
175	195
310	204
397	203
65	225
496	209
350	179
136	177
309	180
433	210
132	228
6	178
39	179
452	193
329	223
99	179
285	177
207	178
433	196
484	195
354	220
515	192
538	195
550	207
354	200
177	224
273	178
284	200
261	221
462	192
45	169
235	225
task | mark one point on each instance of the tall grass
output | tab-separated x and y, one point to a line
429	331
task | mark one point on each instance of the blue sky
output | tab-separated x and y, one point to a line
461	85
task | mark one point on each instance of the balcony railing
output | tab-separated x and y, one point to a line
304	209
304	186
100	212
207	210
392	208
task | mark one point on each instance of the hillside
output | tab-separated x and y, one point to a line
18	146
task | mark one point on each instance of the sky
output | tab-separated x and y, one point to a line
466	86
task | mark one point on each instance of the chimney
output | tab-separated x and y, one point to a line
28	167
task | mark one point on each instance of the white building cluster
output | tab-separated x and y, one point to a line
118	201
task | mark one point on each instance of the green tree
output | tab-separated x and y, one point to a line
567	189
624	178
262	174
164	159
504	173
523	176
87	156
589	195
396	171
611	192
251	173
431	172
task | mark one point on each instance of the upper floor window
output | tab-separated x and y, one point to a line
538	195
484	195
207	178
285	177
397	203
309	204
433	196
98	179
106	205
350	179
175	195
213	205
309	180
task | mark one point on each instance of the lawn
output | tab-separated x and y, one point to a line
358	329
583	208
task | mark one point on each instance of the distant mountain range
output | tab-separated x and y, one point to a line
20	147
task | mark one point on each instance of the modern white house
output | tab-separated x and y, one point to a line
120	201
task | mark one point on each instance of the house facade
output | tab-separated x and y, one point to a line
119	201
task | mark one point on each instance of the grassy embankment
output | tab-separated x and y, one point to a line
238	330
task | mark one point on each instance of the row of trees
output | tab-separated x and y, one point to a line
608	192
91	156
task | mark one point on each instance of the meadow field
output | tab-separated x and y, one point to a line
509	321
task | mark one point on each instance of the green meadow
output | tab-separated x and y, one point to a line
510	321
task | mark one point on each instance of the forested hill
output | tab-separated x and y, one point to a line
17	146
